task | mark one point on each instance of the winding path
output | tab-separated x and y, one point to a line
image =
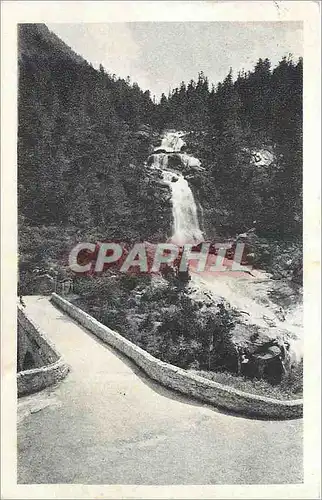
107	423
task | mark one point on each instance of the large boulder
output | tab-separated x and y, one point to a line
262	157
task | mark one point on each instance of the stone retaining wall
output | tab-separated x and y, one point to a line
54	368
181	380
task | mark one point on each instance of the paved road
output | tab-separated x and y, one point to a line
107	423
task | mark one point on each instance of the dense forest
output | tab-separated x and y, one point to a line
84	135
84	138
260	109
78	151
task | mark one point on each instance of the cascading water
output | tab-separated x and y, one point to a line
184	209
243	294
172	142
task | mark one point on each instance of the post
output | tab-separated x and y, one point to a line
211	342
55	282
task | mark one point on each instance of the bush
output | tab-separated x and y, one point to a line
255	386
292	381
168	323
284	259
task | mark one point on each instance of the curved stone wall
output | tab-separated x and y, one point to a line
53	367
181	380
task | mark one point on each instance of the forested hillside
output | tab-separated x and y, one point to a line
84	136
81	146
84	140
261	109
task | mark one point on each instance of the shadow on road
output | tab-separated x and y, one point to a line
155	385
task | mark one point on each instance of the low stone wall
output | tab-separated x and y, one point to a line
53	367
181	380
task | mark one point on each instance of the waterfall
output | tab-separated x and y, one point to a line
159	161
184	209
249	296
172	142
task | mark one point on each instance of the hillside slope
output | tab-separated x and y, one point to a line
83	137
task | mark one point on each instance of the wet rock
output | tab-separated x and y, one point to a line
174	161
262	157
142	133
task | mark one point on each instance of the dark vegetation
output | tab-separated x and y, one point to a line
83	138
160	316
260	109
165	319
291	386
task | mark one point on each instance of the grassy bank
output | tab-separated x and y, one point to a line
164	320
290	387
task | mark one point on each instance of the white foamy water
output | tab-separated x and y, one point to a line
184	210
159	161
172	142
250	296
190	161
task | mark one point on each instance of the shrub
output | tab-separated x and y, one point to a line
292	381
255	386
